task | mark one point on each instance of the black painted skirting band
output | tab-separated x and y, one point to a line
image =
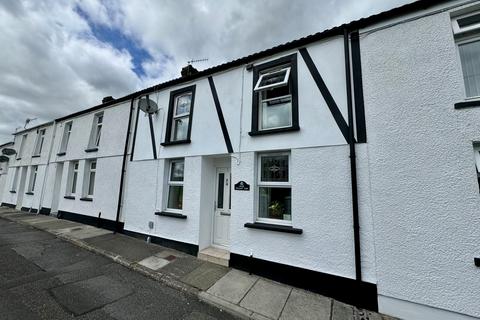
358	293
45	211
31	210
188	248
92	221
8	205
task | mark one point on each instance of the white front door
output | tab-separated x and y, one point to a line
221	223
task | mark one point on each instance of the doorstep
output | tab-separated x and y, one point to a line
215	255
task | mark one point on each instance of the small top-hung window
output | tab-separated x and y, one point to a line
273	79
466	23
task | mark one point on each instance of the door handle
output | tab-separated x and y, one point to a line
225	213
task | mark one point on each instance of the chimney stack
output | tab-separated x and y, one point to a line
188	71
107	99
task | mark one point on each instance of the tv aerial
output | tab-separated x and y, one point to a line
149	106
197	60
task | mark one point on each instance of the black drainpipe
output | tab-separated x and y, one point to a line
353	161
124	164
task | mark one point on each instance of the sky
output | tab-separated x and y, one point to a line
59	57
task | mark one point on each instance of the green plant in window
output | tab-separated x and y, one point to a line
276	209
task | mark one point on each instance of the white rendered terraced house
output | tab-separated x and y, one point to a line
343	163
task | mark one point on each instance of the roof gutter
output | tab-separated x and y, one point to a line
353	161
124	164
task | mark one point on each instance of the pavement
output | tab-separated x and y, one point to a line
212	291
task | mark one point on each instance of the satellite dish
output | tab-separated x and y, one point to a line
147	105
9	151
3	159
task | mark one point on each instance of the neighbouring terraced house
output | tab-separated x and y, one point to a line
346	162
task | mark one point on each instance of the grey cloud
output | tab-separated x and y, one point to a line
52	65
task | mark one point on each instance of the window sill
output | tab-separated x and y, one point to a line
170	214
273	227
36	156
86	199
61	154
172	143
13	191
272	131
29	193
69	197
95	149
472	103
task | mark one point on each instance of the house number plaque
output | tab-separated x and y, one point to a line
242	186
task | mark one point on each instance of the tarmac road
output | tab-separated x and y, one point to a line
43	277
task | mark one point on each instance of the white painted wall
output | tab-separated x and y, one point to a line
320	171
321	206
425	196
318	127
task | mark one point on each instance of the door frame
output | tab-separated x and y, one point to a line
229	195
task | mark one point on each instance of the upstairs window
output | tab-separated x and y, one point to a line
175	185
180	112
274	188
96	131
22	147
39	142
275	105
33	179
67	130
466	29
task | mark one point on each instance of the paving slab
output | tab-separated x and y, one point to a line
56	224
154	262
84	296
205	275
130	248
304	305
39	219
181	266
266	298
83	232
342	311
233	286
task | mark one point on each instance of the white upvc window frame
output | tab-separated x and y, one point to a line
91	168
21	149
67	130
39	142
33	178
284	82
97	128
458	30
271	184
174	183
73	178
13	186
185	115
462	41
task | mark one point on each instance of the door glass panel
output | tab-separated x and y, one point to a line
221	179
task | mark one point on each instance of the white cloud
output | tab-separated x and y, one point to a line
51	64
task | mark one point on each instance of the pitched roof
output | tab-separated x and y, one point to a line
338	30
